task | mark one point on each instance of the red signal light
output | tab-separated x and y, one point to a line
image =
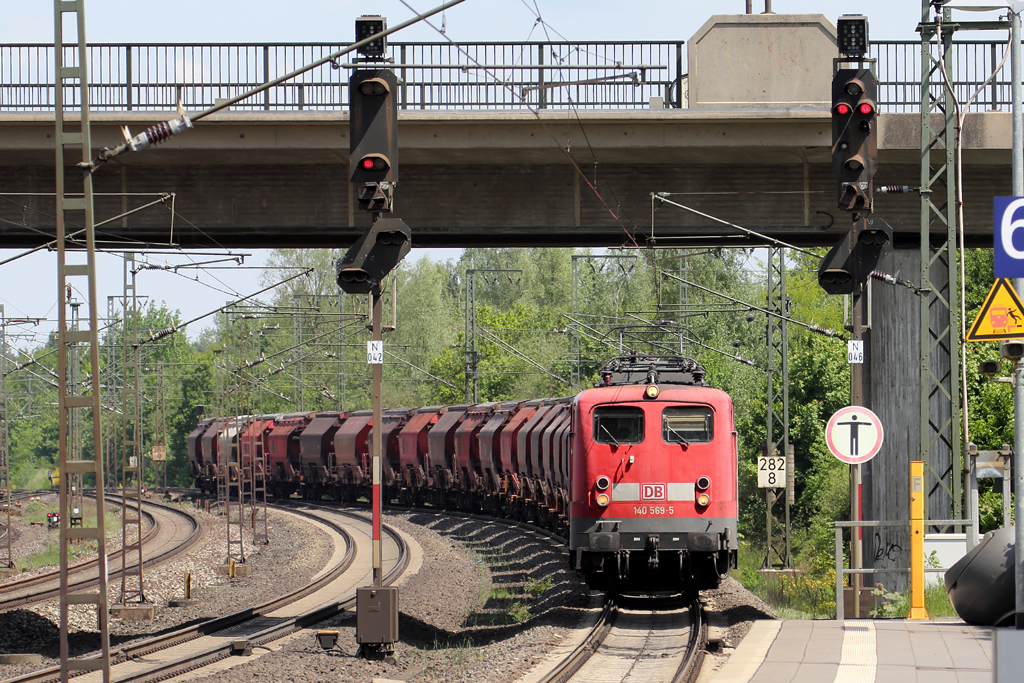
374	162
866	108
842	108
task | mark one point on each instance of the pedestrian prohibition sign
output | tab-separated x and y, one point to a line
854	434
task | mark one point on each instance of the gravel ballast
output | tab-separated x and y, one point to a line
488	603
297	551
460	614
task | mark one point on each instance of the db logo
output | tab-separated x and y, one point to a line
652	492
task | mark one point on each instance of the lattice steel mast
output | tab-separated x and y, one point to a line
6	559
940	404
74	77
777	335
132	592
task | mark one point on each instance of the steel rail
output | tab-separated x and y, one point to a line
689	668
212	626
215	653
567	668
21	584
689	671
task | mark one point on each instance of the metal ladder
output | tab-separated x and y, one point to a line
71	70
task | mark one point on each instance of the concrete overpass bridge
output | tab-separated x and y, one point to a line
491	138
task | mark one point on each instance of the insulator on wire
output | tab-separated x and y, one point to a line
821	330
884	277
894	189
891	280
157	133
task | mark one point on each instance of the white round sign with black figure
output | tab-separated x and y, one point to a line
854	434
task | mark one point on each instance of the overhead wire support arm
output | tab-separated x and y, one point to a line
691	340
166	332
664	197
162	131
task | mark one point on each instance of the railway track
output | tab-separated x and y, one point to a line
634	639
211	641
638	639
166	539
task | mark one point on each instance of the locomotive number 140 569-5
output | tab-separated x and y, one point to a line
653	510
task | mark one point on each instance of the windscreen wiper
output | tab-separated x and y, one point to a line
614	440
679	436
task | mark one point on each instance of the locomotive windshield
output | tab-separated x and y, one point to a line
618	425
686	425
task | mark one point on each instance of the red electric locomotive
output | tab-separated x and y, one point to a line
653	496
639	472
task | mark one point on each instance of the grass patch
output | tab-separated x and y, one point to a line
537	588
807	594
31	479
36	511
897	605
510	602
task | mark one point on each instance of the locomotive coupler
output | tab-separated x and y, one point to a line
652	552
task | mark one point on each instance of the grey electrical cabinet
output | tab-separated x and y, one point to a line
377	615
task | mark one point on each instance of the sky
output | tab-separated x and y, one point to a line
28	285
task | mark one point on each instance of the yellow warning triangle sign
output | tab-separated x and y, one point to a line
1001	316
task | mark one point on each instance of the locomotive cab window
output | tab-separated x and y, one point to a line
686	425
618	425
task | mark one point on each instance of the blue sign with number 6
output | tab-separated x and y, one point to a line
1009	236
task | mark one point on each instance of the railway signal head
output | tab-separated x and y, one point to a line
852	35
370	25
854	136
990	368
373	130
850	262
373	256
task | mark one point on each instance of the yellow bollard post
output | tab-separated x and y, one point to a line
917	498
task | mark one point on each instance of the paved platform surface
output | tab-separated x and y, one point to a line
883	650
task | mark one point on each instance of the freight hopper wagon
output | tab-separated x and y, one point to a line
639	472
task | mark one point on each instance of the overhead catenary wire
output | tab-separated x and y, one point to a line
809	326
536	114
162	131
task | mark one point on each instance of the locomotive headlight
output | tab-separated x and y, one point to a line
703	483
602	483
603	499
703	500
652	391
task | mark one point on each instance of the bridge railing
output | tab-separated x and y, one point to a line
465	76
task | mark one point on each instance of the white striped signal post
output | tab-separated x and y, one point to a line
375	358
